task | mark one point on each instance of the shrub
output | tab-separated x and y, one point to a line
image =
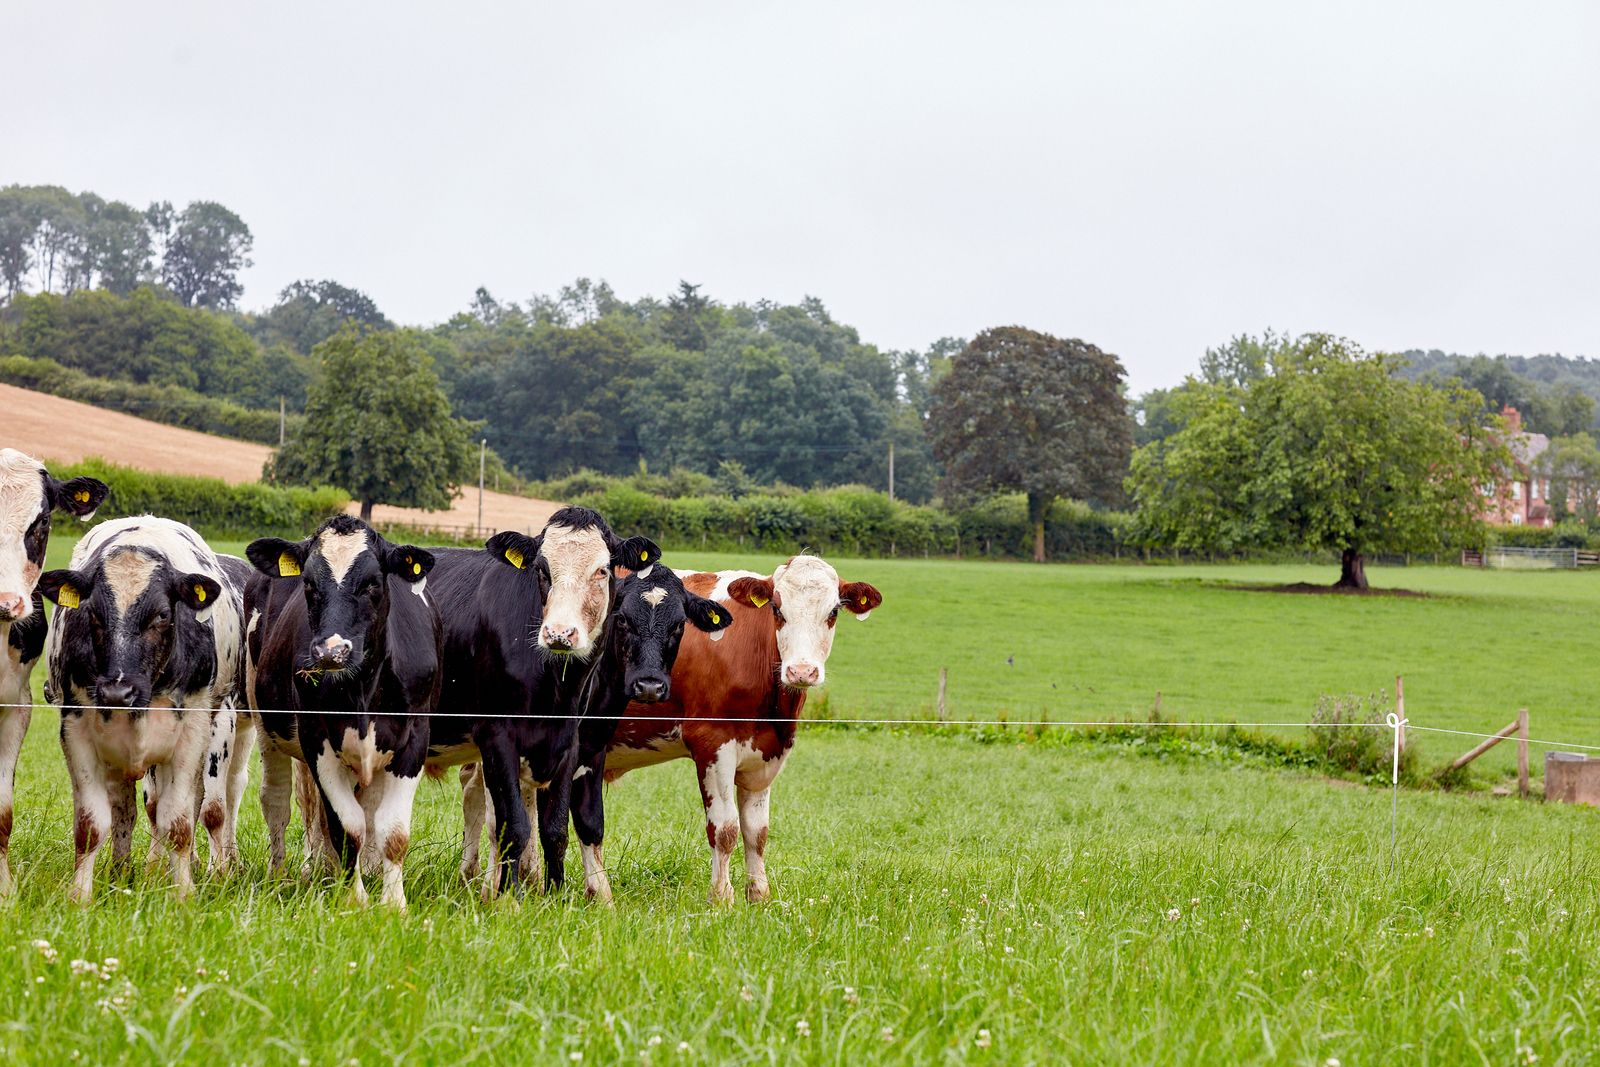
1345	736
169	404
210	505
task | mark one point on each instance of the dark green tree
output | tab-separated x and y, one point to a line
309	312
205	248
378	426
1023	411
1327	449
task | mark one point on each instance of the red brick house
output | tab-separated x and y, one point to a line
1523	497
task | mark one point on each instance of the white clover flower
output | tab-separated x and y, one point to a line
1308	973
746	994
851	997
655	1039
683	1046
984	1039
1173	915
802	1028
887	1033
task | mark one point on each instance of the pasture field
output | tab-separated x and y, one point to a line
938	899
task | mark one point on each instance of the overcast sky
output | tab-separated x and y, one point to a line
1152	177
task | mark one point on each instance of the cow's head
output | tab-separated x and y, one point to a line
133	603
805	596
27	496
573	561
344	569
650	610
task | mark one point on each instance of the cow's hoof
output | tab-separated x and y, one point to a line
721	894
758	892
470	871
183	892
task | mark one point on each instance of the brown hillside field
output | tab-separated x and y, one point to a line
65	431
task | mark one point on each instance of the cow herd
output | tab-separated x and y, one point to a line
542	666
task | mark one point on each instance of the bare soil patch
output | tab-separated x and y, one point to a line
56	430
1310	588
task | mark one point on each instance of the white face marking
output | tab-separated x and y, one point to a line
808	590
127	574
577	602
21	500
654	597
340	551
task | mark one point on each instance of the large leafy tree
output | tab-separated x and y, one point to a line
205	248
309	312
378	425
1023	411
1327	449
1572	464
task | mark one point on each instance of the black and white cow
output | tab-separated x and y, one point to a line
144	659
637	652
343	670
523	620
28	494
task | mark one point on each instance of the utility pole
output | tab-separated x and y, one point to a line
483	451
891	471
281	419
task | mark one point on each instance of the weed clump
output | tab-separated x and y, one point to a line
1352	734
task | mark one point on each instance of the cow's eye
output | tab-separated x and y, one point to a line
601	574
832	615
777	613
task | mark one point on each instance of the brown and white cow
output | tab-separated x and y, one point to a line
28	494
734	702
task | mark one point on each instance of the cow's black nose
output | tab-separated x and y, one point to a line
650	691
115	694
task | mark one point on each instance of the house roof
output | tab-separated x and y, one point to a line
1527	447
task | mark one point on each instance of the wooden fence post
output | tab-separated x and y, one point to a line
1522	752
1400	709
943	672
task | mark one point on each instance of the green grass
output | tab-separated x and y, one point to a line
951	886
955	887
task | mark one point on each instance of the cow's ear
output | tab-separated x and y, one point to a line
859	598
636	553
755	592
513	548
707	615
65	587
79	496
200	592
410	564
277	558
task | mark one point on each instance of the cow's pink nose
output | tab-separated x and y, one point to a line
801	674
13	606
561	637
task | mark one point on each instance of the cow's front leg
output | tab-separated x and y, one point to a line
177	788
554	804
217	772
152	796
717	792
473	802
123	796
500	773
753	823
347	821
589	819
91	804
277	782
13	728
391	833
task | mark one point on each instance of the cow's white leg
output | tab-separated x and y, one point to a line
596	885
277	780
177	781
91	806
527	863
474	799
152	796
13	728
371	797
214	777
244	739
339	788
391	834
717	792
318	846
753	804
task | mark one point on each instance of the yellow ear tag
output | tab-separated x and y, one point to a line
416	568
288	566
200	593
758	601
67	597
643	556
82	496
862	601
514	557
715	618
